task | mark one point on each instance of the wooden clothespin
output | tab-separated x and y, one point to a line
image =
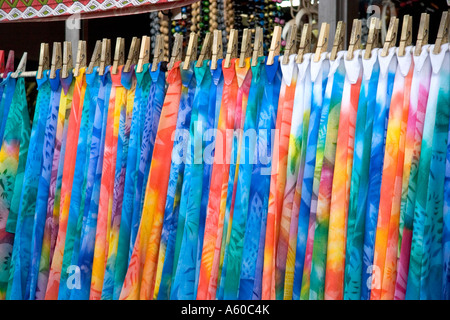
21	66
258	49
305	43
391	36
158	54
406	35
275	45
246	47
371	38
119	55
422	35
338	43
355	39
291	44
442	36
105	57
95	60
144	53
379	43
232	48
217	50
191	51
44	60
205	53
67	59
56	59
133	54
81	57
322	42
177	50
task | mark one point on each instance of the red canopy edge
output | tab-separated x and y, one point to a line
129	9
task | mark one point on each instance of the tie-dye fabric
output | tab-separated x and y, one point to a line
250	283
177	168
312	181
57	271
359	178
319	72
318	180
31	228
119	181
429	201
84	147
148	100
139	280
183	286
41	249
8	86
215	98
140	89
384	263
420	85
302	102
446	230
431	269
290	149
96	227
54	195
233	252
321	208
155	103
340	192
278	183
75	216
31	174
219	178
244	77
388	65
13	158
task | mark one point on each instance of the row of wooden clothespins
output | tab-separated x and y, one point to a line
139	53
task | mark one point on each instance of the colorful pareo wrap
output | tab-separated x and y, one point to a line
420	85
32	172
183	286
165	268
250	283
428	204
319	78
302	102
359	183
13	159
219	179
385	255
315	258
244	78
316	180
233	252
139	281
340	192
388	66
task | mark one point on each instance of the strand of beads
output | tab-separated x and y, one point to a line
154	28
180	22
221	21
195	16
238	13
203	22
213	15
273	16
164	29
229	15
